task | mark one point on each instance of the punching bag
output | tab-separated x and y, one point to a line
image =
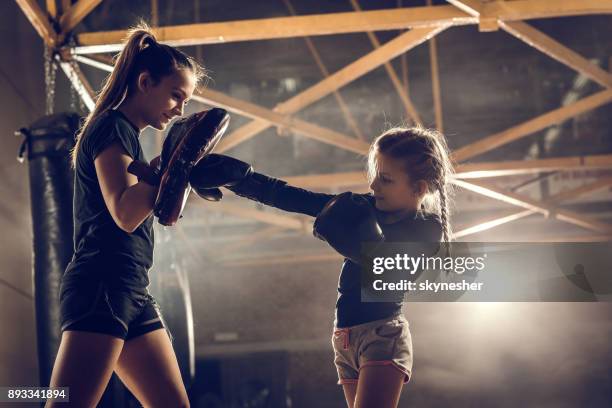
47	143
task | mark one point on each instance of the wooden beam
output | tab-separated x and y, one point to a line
404	64
360	67
516	167
285	27
363	65
496	193
79	83
548	208
514	10
397	84
270	117
558	51
240	135
488	24
93	63
104	58
154	13
477	9
272	218
350	22
435	81
210	97
75	14
555	238
271	259
535	206
464	171
531	126
471	7
51	8
348	116
583	221
580	191
490	223
570	238
476	170
553	201
532	9
39	20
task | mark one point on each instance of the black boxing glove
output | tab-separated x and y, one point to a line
149	173
217	170
346	222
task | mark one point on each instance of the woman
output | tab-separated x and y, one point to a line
109	320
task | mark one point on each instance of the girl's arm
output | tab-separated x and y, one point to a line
129	202
223	171
294	199
281	195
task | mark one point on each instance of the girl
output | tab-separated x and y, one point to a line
109	321
408	169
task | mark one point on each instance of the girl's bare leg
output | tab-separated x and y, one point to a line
350	390
379	387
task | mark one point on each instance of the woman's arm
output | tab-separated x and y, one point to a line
128	201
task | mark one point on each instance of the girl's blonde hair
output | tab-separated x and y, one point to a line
141	53
426	157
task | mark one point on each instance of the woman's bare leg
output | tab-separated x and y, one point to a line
149	369
84	363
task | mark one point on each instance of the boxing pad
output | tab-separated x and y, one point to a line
189	139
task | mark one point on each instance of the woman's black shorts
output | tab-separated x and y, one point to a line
96	306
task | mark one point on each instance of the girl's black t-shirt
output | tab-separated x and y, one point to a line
102	249
418	226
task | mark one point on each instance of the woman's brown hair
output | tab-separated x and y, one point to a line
141	53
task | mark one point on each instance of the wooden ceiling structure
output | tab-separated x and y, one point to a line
421	24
